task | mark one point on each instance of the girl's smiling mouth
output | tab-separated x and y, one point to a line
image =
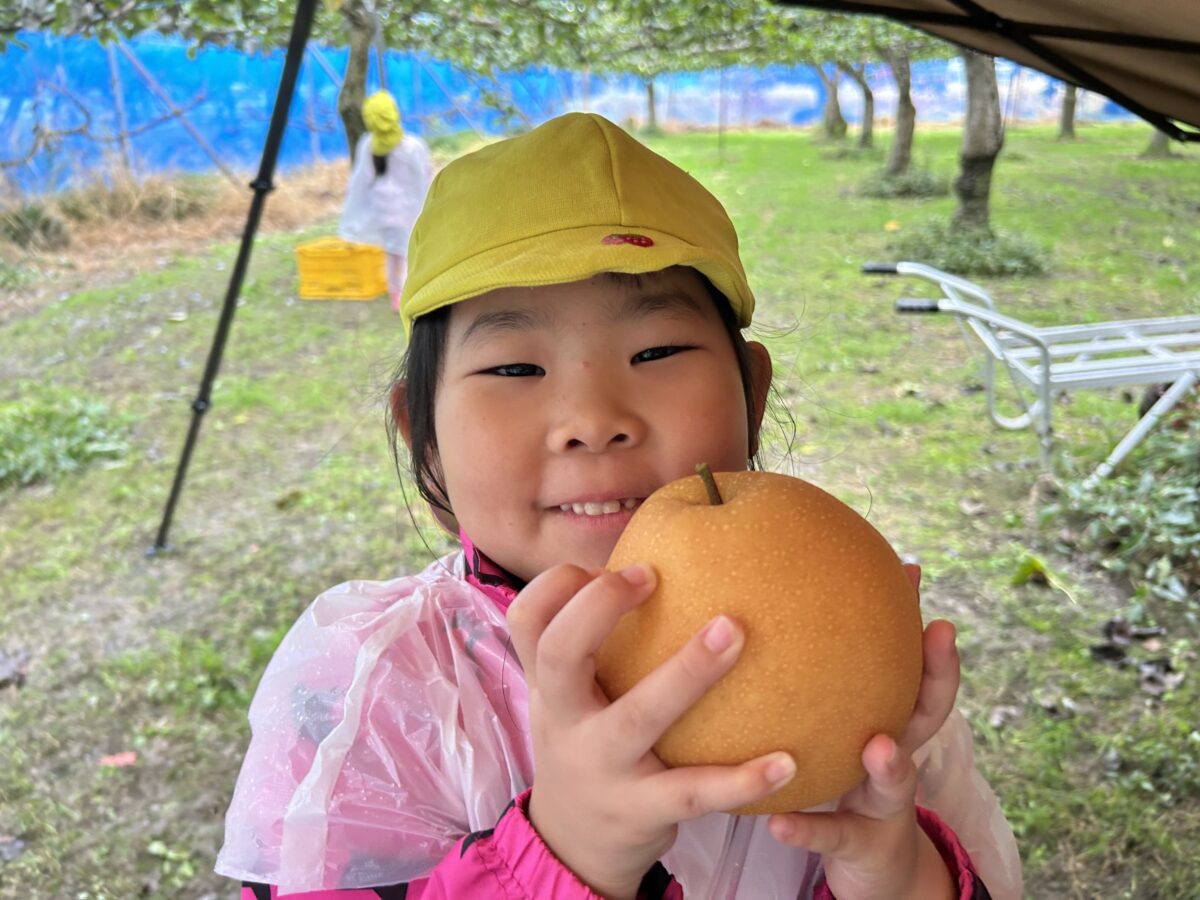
600	507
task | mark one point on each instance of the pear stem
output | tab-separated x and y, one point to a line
710	484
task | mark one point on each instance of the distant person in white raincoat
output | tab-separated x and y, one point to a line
392	173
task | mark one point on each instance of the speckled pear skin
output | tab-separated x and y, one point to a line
833	628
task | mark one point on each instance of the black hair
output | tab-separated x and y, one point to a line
380	164
420	369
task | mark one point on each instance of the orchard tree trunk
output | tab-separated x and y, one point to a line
651	111
900	156
1159	146
1066	116
983	136
118	94
360	30
832	121
866	137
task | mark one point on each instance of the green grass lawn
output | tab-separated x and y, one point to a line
293	489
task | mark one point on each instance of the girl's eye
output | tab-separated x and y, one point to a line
516	370
654	353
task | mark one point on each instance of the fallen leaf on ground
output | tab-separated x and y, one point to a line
1031	570
119	760
969	506
13	668
290	499
1119	637
1002	715
1055	705
1159	676
10	847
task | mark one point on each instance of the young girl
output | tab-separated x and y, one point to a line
391	174
575	311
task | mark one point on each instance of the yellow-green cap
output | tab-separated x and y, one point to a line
575	197
382	118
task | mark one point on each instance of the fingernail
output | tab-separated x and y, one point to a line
781	768
719	635
782	829
894	755
638	574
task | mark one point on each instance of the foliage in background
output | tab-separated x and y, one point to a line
227	22
445	147
917	183
156	198
42	224
965	251
1144	522
33	226
13	276
49	432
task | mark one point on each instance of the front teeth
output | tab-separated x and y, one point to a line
608	507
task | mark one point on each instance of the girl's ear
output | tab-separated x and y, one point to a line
398	400
760	386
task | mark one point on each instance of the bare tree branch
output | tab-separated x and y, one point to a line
48	138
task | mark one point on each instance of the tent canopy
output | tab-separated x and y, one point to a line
1144	56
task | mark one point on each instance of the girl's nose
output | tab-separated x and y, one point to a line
595	421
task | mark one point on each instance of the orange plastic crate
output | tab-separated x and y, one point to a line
333	269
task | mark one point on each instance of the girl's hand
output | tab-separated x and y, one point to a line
602	801
872	846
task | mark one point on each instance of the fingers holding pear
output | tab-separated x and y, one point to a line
563	657
830	615
688	792
939	684
536	606
643	713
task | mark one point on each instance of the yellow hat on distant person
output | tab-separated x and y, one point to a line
382	118
575	197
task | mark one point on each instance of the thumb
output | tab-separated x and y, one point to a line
851	833
833	835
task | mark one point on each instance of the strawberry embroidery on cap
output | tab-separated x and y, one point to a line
638	240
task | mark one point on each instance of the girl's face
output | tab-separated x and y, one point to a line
561	408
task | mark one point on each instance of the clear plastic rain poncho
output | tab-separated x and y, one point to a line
381	209
393	719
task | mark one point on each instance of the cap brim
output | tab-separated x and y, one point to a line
573	255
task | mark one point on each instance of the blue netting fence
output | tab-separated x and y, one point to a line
66	102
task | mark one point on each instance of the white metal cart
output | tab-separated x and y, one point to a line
1045	362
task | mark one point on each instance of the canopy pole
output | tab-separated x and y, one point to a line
262	185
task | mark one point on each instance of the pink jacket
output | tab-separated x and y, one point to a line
346	791
510	862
